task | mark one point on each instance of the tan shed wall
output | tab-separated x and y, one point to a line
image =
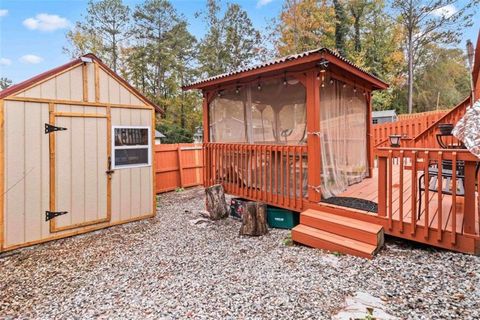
131	187
69	86
27	162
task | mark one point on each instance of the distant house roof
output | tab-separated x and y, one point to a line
384	113
158	134
378	83
27	83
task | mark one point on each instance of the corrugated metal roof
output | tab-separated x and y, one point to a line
384	113
283	60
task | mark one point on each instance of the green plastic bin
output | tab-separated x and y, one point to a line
281	218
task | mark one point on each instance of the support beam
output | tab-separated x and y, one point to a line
313	138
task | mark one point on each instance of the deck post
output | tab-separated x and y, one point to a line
369	136
469	204
382	186
313	139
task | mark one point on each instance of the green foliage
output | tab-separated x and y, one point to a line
288	240
231	41
174	133
5	83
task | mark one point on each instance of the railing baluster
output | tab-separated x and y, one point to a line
440	196
270	159
427	193
294	177
400	196
413	213
454	198
288	175
390	191
282	186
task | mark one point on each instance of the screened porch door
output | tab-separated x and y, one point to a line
80	165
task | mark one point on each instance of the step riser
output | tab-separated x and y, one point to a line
342	230
326	245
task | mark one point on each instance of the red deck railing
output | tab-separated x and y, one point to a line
276	174
449	197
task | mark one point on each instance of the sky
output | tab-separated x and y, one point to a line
32	32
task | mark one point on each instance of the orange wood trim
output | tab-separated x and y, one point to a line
469	203
390	191
78	103
80	115
97	81
206	125
51	137
85	82
2	172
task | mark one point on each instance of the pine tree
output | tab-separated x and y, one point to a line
105	28
341	27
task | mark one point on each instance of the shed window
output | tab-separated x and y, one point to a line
131	147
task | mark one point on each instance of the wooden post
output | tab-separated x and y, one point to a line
85	81
369	135
469	204
313	140
180	164
382	186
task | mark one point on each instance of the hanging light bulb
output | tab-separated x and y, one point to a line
344	85
354	89
259	87
237	89
331	81
219	93
285	79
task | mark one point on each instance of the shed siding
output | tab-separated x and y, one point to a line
69	86
26	172
131	187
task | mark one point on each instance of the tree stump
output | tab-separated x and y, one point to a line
217	206
254	219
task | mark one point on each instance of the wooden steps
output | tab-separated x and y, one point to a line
332	232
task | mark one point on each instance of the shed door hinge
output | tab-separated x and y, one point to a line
50	128
315	133
49	215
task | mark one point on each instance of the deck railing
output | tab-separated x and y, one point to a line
448	199
276	174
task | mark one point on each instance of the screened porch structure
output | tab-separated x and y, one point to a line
290	131
295	133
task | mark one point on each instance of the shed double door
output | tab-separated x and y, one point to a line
79	164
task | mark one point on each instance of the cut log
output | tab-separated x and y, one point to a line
254	221
217	206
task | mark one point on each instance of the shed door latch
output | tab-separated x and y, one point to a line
49	215
50	128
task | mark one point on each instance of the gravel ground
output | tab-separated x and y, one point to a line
168	267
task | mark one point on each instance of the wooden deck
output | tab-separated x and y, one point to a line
368	190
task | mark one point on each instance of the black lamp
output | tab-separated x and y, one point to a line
394	140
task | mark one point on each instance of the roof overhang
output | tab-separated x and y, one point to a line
289	62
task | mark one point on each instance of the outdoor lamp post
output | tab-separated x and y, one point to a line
394	140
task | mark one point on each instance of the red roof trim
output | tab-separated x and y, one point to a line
47	74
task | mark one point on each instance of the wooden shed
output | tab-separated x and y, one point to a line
76	154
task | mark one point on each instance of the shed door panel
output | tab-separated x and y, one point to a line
81	162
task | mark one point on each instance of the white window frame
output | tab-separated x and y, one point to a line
127	166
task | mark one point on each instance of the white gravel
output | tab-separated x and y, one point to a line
170	267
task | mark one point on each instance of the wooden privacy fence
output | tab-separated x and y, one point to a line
408	126
178	166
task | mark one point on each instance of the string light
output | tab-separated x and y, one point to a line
285	79
237	89
259	87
